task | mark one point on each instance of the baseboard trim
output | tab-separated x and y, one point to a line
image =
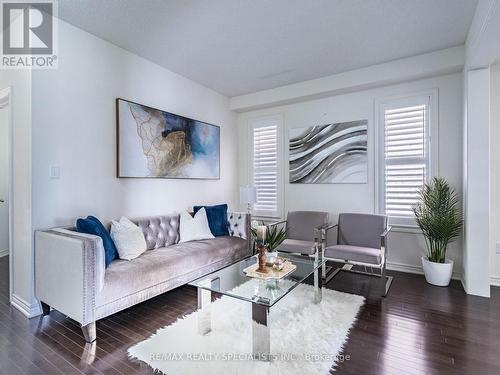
4	253
495	280
409	268
27	309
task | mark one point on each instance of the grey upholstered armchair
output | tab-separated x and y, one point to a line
303	232
361	240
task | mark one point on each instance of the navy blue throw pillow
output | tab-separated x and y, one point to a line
217	219
92	225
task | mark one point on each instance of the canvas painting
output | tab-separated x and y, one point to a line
158	144
329	154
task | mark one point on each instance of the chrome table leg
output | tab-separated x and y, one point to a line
318	285
260	332
204	305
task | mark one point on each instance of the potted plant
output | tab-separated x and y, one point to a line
274	235
439	217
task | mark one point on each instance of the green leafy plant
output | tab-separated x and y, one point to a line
274	236
439	217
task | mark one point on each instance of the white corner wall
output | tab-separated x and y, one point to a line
481	156
4	176
74	128
477	241
407	246
21	254
495	174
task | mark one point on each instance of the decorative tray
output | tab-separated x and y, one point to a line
270	273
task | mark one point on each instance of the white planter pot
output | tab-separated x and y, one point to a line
437	273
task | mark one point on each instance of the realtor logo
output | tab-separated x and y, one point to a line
28	37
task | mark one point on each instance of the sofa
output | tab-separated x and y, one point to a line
70	274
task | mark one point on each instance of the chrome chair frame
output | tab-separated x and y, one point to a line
385	281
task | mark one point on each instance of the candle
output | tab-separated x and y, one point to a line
261	233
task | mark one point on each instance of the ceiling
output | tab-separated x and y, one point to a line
241	46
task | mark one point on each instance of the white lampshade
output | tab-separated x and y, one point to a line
248	195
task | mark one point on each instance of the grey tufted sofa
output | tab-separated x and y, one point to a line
70	275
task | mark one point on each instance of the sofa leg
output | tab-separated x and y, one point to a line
45	308
89	332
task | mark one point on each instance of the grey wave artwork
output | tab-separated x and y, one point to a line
329	154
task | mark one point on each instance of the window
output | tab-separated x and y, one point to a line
265	167
404	155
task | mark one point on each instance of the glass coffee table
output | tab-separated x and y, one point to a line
231	281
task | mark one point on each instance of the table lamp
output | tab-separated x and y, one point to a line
248	196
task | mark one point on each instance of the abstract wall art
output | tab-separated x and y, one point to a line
329	154
158	144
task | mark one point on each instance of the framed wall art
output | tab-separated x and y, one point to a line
152	143
329	154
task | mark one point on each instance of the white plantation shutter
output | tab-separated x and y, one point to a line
406	154
265	168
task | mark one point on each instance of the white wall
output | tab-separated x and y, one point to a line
74	129
476	245
495	173
21	257
405	248
4	177
481	168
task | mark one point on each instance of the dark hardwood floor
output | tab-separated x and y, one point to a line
416	329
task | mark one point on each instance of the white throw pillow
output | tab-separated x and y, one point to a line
194	228
129	239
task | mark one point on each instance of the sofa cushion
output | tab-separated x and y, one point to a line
354	253
92	225
194	228
129	239
217	219
239	224
124	278
159	231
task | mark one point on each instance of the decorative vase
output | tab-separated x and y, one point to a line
262	250
438	274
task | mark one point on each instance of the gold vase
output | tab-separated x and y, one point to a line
262	249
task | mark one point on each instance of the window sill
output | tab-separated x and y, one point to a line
405	228
268	219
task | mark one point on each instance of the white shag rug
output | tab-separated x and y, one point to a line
306	338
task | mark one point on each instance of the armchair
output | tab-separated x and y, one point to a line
303	232
361	240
